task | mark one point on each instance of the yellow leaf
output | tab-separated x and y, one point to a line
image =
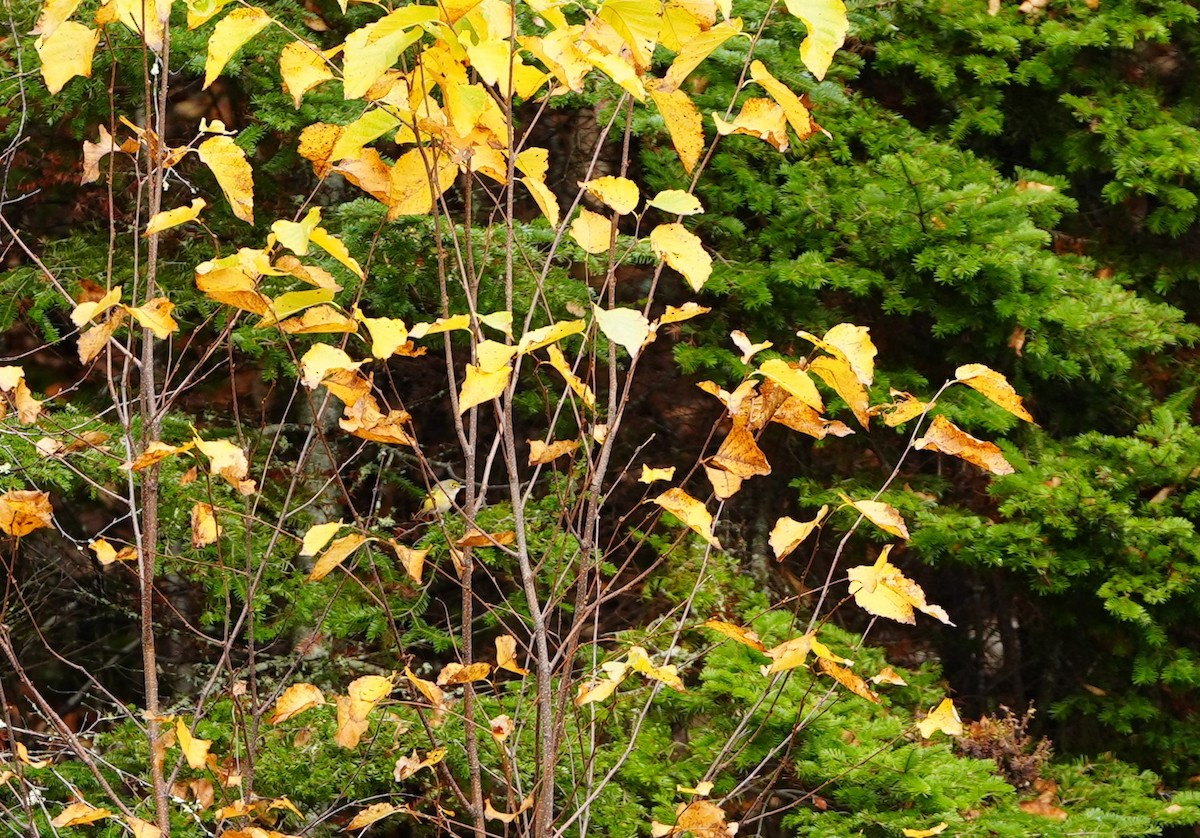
793	653
228	461
455	322
506	655
652	475
364	419
337	553
79	813
838	374
145	18
678	314
618	193
233	287
827	26
582	390
302	66
230	33
682	250
637	22
677	202
141	828
547	335
318	536
887	675
156	452
944	718
406	766
373	49
53	13
848	680
740	455
904	406
320	360
745	636
698	48
374	812
349	730
502	727
368	172
853	343
883	515
456	673
749	350
172	218
195	750
477	538
24	758
366	692
925	833
411	191
335	248
625	327
691	511
702	789
156	316
793	109
544	198
321	320
994	386
481	386
387	334
794	380
491	813
684	124
881	589
90	309
93	153
947	438
205	529
22	512
540	453
66	53
317	142
200	12
501	321
760	118
639	661
700	818
725	485
295	700
411	559
788	533
93	341
491	355
233	173
600	689
591	231
294	235
433	694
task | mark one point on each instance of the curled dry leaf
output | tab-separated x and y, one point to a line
848	680
365	420
337	553
228	461
374	812
79	814
411	559
457	673
994	386
506	655
639	661
205	529
788	533
502	727
793	653
739	453
887	675
349	730
945	437
432	692
491	813
653	475
106	554
745	636
700	818
540	453
883	515
881	589
477	538
838	374
406	766
23	511
725	485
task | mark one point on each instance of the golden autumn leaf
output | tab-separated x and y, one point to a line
316	146
91	309
745	636
502	727
617	193
106	554
684	123
839	375
945	437
22	753
337	553
653	475
1043	809
881	589
725	485
700	819
457	673
491	813
411	192
925	833
319	320
156	452
332	245
318	536
233	287
540	453
793	109
79	813
432	692
229	35
53	13
547	335
793	379
760	118
506	655
788	533
411	559
944	718
592	231
387	334
691	512
582	390
793	653
848	679
994	386
195	750
668	674
600	689
625	327
232	171
477	538
692	53
374	812
228	461
883	515
365	420
350	730
481	386
366	692
904	406
545	199
637	23
295	700
827	26
156	316
167	219
320	360
141	828
406	766
205	529
455	322
23	511
302	66
887	675
740	455
683	251
66	53
676	202
372	50
749	350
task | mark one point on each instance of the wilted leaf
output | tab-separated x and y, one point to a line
506	655
432	692
838	374
540	453
79	814
700	819
457	673
194	750
881	589
788	533
295	700
883	515
887	675
337	553
409	765
827	26
683	251
66	53
411	559
651	475
994	386
947	438
350	730
228	461
364	419
944	718
1043	809
106	554
502	727
91	309
156	452
141	828
93	153
599	689
848	680
793	653
740	455
749	350
173	218
582	390
319	320
691	511
374	812
678	314
547	335
22	512
625	327
491	813
745	636
904	406
205	529
478	538
683	121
